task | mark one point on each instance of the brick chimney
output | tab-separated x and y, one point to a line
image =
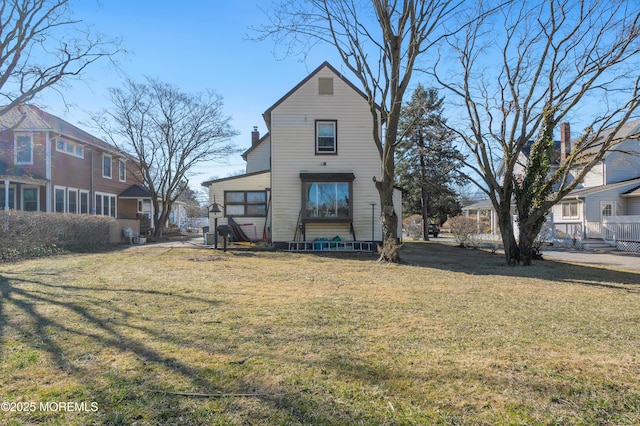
255	136
565	140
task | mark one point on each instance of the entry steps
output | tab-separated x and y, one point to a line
331	246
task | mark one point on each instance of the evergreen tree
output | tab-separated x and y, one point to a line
428	163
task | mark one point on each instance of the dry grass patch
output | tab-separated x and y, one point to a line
451	337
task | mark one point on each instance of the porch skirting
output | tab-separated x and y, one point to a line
357	246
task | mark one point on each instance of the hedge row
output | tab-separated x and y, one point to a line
31	234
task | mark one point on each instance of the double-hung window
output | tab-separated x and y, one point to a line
245	203
327	197
84	202
570	210
30	199
326	137
59	199
122	171
23	148
106	166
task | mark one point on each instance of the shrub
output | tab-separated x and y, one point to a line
462	229
34	234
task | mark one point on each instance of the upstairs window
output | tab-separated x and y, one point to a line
326	137
122	171
106	166
23	149
69	148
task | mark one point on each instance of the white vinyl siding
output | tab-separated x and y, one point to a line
633	206
259	159
293	151
621	166
595	177
253	182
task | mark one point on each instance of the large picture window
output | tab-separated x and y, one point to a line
245	203
23	149
327	197
326	137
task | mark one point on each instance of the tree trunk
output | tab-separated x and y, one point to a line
505	222
390	247
529	231
389	250
423	192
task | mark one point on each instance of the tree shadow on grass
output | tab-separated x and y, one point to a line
483	262
69	325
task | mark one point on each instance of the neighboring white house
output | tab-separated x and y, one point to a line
311	176
606	204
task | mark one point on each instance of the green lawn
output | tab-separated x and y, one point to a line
451	337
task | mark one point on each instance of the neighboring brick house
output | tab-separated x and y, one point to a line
49	165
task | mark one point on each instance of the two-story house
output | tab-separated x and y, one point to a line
604	206
310	178
49	165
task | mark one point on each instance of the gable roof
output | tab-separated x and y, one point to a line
580	193
267	114
29	117
629	130
135	191
262	139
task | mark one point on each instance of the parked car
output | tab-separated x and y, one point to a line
434	230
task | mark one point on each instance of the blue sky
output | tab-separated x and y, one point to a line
195	45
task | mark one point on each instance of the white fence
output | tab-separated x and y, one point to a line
624	231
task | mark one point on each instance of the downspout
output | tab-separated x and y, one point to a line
6	195
92	195
47	156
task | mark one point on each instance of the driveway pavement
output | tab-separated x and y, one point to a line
617	259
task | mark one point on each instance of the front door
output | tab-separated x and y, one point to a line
607	211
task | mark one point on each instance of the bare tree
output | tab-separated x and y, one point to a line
41	46
380	42
520	73
168	132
